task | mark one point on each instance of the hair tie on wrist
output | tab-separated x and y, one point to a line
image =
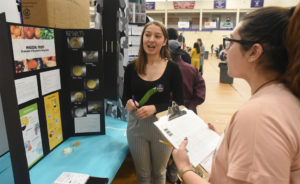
182	171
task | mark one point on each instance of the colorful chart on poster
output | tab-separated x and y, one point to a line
33	48
31	133
53	118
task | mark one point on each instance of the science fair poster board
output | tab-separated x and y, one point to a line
42	69
34	51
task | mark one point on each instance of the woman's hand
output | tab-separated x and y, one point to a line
180	156
130	105
145	111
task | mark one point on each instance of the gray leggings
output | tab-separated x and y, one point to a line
150	157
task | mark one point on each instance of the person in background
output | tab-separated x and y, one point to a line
261	143
212	49
202	49
173	35
193	92
195	54
193	83
151	69
181	40
219	50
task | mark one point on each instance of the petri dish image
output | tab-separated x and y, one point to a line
78	96
91	84
95	107
76	42
90	55
77	71
79	112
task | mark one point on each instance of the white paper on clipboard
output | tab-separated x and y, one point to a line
202	141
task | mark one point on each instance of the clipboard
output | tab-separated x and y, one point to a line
180	122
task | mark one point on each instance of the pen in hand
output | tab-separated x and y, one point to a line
133	99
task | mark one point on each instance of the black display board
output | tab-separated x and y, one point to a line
111	44
3	136
52	88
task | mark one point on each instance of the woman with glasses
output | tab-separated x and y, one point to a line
261	144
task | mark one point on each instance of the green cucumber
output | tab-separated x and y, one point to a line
147	95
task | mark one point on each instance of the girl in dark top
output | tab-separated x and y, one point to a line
152	68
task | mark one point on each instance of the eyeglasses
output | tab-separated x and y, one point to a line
227	42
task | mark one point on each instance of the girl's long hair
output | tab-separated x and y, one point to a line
291	77
196	46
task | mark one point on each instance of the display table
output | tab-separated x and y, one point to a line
97	155
6	175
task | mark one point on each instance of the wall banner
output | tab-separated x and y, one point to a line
210	25
257	3
219	4
150	5
184	4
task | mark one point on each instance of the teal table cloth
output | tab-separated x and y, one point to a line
6	174
97	155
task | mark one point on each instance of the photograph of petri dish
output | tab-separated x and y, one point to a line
79	112
75	42
78	71
90	56
78	96
94	107
92	84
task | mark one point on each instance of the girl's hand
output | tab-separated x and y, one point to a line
145	111
130	106
180	156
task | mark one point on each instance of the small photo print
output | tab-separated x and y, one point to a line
137	8
28	32
143	6
32	64
95	107
78	112
90	56
131	7
91	84
140	18
143	18
131	17
78	97
75	42
78	71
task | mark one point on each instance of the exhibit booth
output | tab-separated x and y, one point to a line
52	91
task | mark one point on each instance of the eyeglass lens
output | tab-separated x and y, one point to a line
226	44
